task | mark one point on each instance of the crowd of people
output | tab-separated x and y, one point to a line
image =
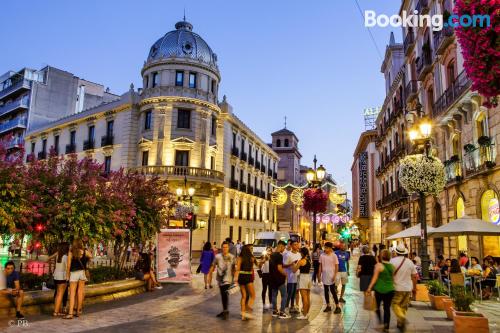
285	271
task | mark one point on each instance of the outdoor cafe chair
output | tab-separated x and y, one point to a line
458	279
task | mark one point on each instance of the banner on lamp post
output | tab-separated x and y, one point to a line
173	253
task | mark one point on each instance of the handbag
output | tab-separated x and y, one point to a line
369	302
87	272
259	271
198	270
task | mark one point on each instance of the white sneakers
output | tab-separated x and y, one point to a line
301	317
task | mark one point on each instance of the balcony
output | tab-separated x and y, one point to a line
243	156
234	184
71	148
251	161
275	175
442	39
17	88
451	95
269	172
250	190
12	124
235	152
20	104
179	172
15	142
411	90
262	194
243	187
42	155
392	198
422	7
453	169
257	165
479	159
424	62
107	140
88	144
409	42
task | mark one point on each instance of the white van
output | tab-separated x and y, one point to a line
268	238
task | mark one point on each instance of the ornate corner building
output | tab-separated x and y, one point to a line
175	127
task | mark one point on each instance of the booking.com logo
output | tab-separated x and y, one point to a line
436	22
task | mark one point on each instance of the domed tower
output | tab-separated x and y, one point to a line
181	64
180	130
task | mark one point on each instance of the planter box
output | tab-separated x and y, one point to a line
437	301
448	305
422	293
467	322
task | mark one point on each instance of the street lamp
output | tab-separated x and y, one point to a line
315	179
420	135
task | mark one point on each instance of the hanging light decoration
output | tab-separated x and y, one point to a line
336	198
297	196
279	197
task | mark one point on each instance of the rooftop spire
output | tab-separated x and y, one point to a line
285	121
392	41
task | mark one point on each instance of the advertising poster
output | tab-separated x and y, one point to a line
173	255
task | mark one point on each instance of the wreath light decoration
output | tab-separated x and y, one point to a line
279	197
422	174
297	196
336	198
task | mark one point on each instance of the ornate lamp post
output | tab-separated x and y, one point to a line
315	179
420	135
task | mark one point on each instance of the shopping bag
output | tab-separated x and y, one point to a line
369	302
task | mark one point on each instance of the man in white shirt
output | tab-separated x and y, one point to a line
289	260
328	269
405	282
417	259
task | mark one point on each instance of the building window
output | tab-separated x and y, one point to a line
109	128
107	164
72	138
231	231
33	144
179	78
450	74
286	142
44	146
156	79
212	87
146	82
182	158
145	158
56	144
231	208
192	80
214	126
91	133
147	119
183	118
212	162
278	143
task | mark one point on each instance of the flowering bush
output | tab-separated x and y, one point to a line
315	200
480	47
419	173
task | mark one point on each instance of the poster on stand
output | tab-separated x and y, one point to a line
173	255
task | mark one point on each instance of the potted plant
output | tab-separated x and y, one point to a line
436	294
448	308
464	319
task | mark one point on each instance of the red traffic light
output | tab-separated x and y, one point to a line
189	216
39	227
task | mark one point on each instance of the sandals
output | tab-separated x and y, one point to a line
68	316
57	314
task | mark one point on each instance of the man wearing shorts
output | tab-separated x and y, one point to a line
13	287
343	275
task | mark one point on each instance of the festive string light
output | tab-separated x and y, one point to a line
297	196
279	197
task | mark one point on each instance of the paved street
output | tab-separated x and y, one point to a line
181	308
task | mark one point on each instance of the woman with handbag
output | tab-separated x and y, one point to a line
77	274
59	275
383	284
206	260
366	265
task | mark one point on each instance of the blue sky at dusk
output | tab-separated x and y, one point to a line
312	61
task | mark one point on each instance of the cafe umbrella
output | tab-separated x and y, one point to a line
412	232
466	226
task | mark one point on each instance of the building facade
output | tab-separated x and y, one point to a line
365	188
425	76
30	98
175	127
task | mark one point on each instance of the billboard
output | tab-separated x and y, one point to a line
173	255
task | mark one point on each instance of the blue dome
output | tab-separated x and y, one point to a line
183	43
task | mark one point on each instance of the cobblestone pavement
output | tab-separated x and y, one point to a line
185	308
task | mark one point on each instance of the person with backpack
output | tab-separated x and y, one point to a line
383	284
405	284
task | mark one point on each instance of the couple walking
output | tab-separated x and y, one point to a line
394	280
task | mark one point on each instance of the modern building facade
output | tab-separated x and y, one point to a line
365	188
175	127
30	98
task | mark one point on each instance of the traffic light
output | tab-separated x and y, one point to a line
191	221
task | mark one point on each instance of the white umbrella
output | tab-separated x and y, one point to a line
413	232
467	226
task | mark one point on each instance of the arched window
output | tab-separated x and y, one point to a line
286	142
278	143
450	74
455	145
481	125
460	209
438	220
